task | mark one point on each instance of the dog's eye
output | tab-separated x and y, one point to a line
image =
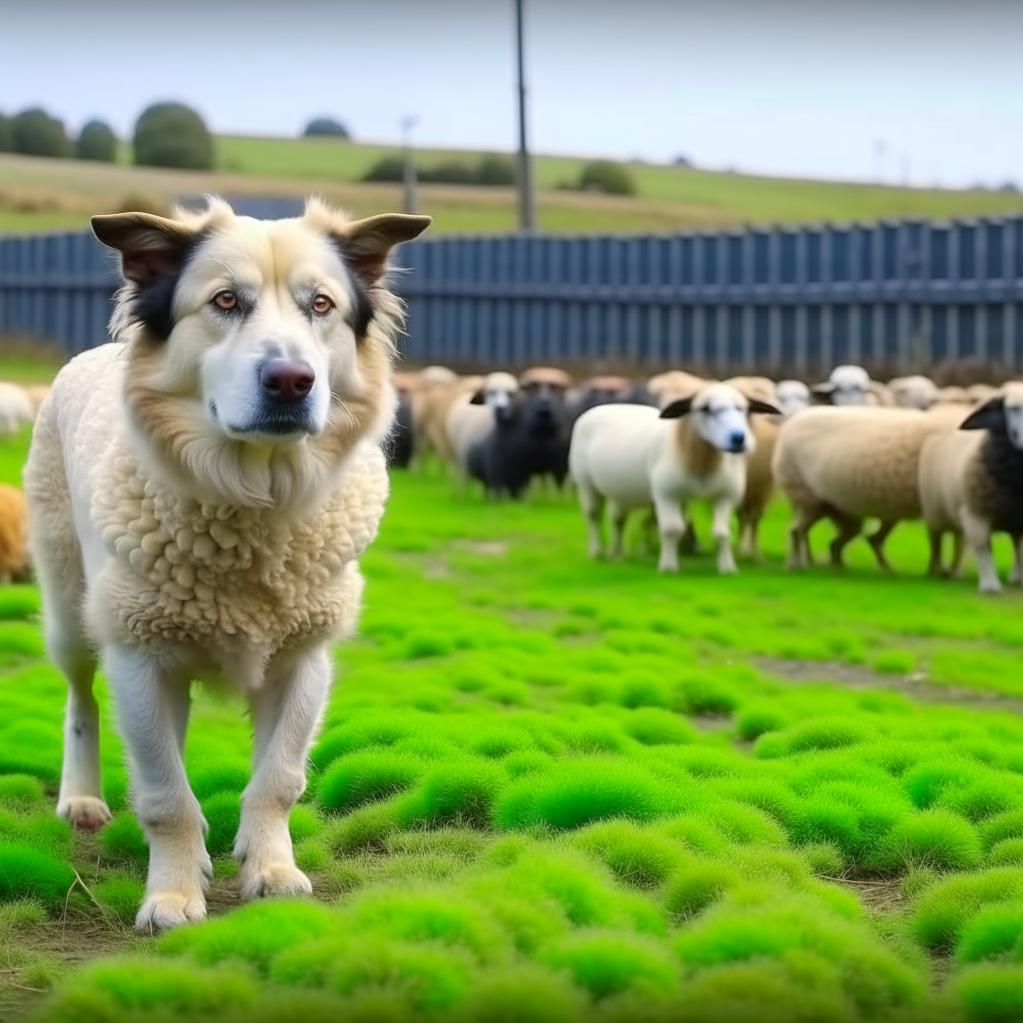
322	304
226	300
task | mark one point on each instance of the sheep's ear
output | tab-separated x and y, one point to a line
823	389
678	408
367	243
990	416
149	245
763	407
479	398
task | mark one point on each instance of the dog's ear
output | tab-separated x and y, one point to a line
149	245
990	416
677	408
479	398
762	407
367	243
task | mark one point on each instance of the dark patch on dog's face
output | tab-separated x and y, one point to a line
362	311
153	302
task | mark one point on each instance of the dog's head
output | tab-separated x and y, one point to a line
257	347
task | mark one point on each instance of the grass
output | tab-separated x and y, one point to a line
40	194
585	791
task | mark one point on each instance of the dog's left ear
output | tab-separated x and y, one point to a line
149	245
763	407
990	416
367	243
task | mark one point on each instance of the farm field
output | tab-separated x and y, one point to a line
550	789
39	194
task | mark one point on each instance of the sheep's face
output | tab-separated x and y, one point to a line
913	392
720	415
847	385
498	395
793	396
1001	414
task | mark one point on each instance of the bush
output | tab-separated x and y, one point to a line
450	172
387	168
6	134
97	142
172	135
489	170
326	126
35	133
495	170
606	176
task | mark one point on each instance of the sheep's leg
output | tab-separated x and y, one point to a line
848	529
799	540
671	524
153	714
877	541
723	536
1016	575
955	568
285	714
592	504
618	517
690	541
934	566
978	536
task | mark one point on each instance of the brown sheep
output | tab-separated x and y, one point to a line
14	560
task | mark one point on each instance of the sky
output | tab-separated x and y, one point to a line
926	91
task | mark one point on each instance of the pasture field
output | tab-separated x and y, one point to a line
550	789
39	194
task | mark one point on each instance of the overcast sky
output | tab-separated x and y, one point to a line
797	87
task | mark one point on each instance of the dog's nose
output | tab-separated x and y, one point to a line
737	440
286	380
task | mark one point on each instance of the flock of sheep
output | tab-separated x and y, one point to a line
848	449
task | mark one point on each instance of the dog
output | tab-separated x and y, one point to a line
200	491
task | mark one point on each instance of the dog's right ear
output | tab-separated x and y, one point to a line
149	245
677	408
479	398
990	416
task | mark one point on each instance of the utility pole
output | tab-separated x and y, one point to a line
527	200
407	124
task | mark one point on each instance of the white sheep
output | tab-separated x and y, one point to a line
16	409
472	416
851	385
793	396
970	486
848	464
914	391
631	456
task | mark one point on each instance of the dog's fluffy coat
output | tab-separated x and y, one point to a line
177	547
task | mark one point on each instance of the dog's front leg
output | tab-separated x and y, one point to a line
285	715
152	710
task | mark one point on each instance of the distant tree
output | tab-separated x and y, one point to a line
6	134
682	161
1008	186
495	170
449	172
35	133
326	126
97	141
606	176
387	168
172	135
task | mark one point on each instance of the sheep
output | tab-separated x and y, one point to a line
664	388
529	440
850	463
953	395
598	391
851	385
916	391
755	387
631	456
14	559
37	395
792	396
970	485
16	409
399	446
430	409
471	417
759	483
978	393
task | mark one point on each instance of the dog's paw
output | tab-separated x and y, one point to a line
86	812
274	879
164	910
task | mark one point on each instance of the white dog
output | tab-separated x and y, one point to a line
200	493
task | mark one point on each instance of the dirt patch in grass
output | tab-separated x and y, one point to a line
860	678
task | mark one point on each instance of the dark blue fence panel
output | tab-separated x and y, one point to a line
897	295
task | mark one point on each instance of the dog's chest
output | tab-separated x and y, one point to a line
226	577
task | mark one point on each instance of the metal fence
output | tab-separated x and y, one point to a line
900	295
